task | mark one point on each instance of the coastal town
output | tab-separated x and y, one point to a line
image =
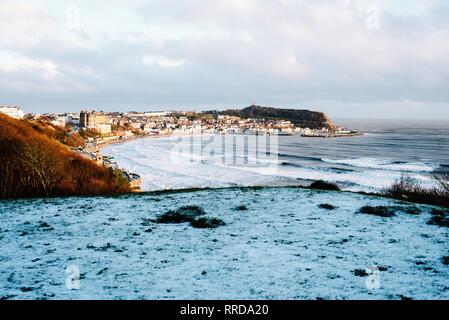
102	128
117	126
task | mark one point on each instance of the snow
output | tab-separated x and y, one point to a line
283	247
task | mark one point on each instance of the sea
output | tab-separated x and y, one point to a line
388	150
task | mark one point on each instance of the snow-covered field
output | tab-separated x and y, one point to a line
283	247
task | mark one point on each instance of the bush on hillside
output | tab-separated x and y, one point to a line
33	164
407	188
323	185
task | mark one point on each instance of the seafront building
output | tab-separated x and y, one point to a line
58	120
90	119
118	126
12	111
131	124
95	120
113	126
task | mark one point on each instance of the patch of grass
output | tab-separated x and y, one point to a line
44	225
192	214
205	222
360	273
147	222
323	185
438	212
180	215
411	210
439	218
327	206
380	211
445	260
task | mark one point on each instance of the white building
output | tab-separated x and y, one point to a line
59	121
135	125
73	118
104	128
13	112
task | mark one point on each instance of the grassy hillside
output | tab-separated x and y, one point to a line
58	133
35	162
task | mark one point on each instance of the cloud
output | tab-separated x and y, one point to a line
197	53
162	61
15	63
22	25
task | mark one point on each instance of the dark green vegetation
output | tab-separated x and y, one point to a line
323	185
439	218
360	273
327	206
445	260
180	215
389	211
36	161
192	214
205	222
379	211
300	118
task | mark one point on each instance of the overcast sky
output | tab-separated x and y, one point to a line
379	58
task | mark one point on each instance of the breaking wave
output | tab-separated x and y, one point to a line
375	163
164	167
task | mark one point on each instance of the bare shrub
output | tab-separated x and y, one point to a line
408	188
443	181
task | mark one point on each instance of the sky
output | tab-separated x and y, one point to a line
359	59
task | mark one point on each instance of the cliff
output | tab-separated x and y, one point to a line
300	118
34	163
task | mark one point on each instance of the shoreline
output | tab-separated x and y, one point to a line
230	188
342	135
106	143
298	183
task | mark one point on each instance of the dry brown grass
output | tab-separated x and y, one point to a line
34	163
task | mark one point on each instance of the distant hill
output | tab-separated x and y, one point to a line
34	162
300	118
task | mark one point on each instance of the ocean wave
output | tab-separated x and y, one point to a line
325	169
375	163
364	180
162	166
289	164
294	156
